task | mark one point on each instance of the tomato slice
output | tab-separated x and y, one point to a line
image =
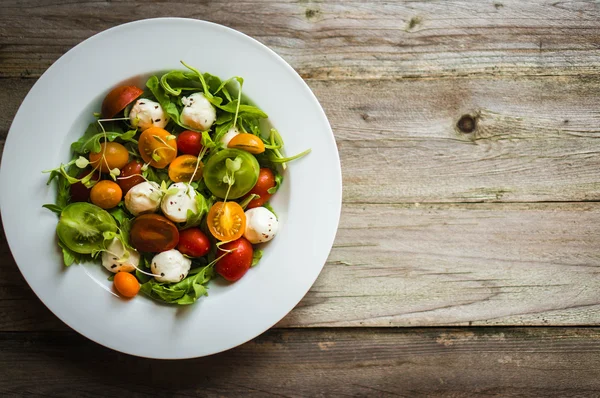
226	221
153	233
118	98
216	169
182	168
81	227
157	147
247	142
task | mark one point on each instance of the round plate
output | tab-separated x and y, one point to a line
56	112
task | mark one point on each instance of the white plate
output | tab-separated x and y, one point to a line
56	112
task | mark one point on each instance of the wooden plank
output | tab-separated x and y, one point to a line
536	138
427	265
338	40
553	362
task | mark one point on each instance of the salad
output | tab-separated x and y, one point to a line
169	186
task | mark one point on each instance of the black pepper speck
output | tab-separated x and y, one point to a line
114	266
162	274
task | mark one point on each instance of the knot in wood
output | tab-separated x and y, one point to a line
466	124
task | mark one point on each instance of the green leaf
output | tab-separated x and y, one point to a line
163	99
256	256
270	208
70	257
195	219
185	292
157	176
278	181
54	208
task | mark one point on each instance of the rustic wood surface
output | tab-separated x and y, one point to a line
444	224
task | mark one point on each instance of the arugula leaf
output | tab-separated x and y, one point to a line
270	208
157	176
176	81
90	141
278	181
256	256
163	99
54	208
70	257
124	226
194	219
185	292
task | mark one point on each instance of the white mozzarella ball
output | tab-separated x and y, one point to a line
176	205
261	225
145	114
198	113
228	136
116	260
170	266
143	198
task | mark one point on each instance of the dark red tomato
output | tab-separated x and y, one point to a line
189	142
266	181
125	180
153	233
118	98
235	264
79	193
193	242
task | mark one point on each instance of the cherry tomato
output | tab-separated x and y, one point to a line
182	168
157	147
189	142
153	233
79	192
193	242
130	176
106	194
247	142
226	221
266	181
126	284
82	216
235	264
112	155
118	98
216	169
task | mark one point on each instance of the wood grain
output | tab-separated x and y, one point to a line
505	362
338	40
427	265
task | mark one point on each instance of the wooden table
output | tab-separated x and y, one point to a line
468	255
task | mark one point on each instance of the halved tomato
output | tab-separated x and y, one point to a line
118	98
153	233
182	168
226	221
247	142
157	147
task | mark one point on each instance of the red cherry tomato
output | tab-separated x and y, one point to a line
193	242
125	179
266	181
235	264
189	142
118	98
79	193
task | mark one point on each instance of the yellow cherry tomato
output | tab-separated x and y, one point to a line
226	221
106	194
126	284
112	155
247	142
157	147
182	168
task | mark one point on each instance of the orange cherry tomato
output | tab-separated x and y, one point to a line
118	98
106	194
153	233
157	147
112	155
226	221
126	284
247	142
182	168
266	181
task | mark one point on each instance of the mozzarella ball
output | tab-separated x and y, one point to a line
116	260
175	205
171	265
261	225
198	113
143	198
145	114
228	136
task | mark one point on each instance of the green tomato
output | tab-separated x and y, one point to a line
82	225
245	177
